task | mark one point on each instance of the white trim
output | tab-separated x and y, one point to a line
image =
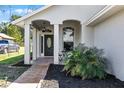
56	43
30	14
103	14
38	44
27	44
99	14
42	54
34	44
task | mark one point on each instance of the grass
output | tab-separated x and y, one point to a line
11	72
12	58
8	74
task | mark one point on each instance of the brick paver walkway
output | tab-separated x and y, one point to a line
33	76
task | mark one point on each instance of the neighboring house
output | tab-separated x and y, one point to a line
4	37
56	28
7	44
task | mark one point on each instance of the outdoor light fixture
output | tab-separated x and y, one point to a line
46	30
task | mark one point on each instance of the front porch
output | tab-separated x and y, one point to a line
49	40
44	61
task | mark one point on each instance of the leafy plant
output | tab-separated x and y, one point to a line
85	62
13	30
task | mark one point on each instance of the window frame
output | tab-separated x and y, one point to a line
64	29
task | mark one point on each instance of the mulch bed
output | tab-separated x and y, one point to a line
55	73
21	63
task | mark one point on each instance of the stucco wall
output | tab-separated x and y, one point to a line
87	36
109	35
57	14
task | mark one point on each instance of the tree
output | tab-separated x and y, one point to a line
13	30
3	27
16	32
14	17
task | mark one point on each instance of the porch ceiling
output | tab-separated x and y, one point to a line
40	24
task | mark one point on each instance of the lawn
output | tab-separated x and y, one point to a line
9	73
12	58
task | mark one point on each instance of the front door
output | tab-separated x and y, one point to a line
48	45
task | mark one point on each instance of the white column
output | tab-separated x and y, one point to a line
27	44
38	44
82	34
34	44
87	35
56	43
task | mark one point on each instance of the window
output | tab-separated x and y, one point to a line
3	42
68	38
41	44
11	42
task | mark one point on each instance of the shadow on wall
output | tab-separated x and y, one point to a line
109	68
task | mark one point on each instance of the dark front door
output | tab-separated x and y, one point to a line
48	45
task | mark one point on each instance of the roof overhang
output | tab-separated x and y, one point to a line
104	14
2	35
20	21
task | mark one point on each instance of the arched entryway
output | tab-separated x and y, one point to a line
43	44
70	32
50	40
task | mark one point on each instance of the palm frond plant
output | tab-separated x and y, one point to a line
85	62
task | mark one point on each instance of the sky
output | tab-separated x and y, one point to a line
7	10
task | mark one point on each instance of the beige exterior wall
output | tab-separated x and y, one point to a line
109	35
57	14
87	35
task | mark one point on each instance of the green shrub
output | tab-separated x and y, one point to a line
85	62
